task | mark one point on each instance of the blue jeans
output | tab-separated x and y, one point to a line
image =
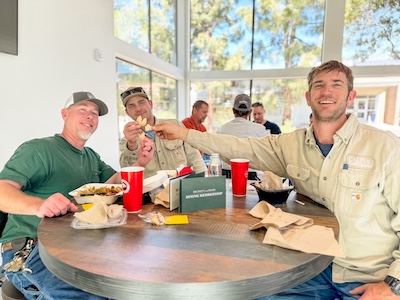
41	284
320	287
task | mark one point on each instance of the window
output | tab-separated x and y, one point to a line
235	35
283	100
149	25
372	33
160	89
265	49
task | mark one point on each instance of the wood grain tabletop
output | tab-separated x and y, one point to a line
215	256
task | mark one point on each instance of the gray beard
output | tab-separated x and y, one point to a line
84	136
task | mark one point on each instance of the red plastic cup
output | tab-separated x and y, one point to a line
132	183
239	170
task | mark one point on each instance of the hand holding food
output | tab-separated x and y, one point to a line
131	132
134	130
144	126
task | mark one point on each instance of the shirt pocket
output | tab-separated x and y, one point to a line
173	144
298	174
357	192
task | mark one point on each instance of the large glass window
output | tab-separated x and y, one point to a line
283	100
161	89
278	40
372	33
260	34
149	25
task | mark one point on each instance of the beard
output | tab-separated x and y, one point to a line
335	115
332	116
84	135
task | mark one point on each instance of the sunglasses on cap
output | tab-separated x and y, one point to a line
132	91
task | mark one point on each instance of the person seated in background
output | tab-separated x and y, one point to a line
258	116
168	154
199	114
241	127
35	183
351	168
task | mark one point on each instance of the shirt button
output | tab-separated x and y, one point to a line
323	199
324	178
298	174
357	184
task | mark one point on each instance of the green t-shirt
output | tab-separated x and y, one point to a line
47	166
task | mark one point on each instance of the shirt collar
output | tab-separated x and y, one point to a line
344	133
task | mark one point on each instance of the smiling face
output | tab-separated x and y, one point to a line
81	119
329	96
139	106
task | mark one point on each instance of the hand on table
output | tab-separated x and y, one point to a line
56	205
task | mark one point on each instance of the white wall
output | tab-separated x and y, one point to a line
57	40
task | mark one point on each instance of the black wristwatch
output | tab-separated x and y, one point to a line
394	284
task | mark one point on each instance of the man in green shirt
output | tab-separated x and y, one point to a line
35	183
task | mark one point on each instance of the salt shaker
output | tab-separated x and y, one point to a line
215	166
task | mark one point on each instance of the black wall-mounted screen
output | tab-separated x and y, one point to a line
9	26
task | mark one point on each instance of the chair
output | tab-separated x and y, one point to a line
10	292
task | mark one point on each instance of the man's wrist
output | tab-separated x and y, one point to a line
131	146
394	284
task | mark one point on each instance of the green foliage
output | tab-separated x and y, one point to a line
212	30
132	24
287	126
287	37
373	29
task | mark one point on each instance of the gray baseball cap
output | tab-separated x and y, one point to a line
242	103
86	96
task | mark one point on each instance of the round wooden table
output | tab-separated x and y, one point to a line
215	256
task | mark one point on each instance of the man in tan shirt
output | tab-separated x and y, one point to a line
168	155
351	168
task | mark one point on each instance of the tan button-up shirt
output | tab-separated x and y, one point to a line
359	181
168	155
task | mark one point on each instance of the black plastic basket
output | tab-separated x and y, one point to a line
272	197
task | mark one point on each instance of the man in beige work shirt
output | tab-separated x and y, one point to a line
168	155
353	169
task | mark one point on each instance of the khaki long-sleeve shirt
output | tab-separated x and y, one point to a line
168	155
359	181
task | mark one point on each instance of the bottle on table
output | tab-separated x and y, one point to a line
215	166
